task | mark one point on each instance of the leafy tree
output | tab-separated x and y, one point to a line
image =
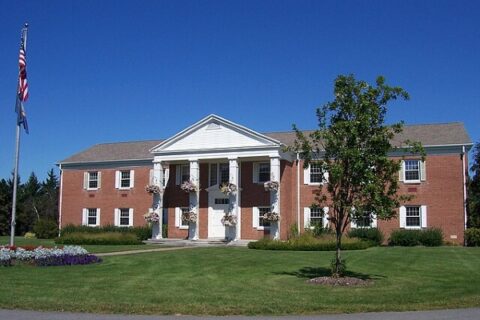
352	144
474	190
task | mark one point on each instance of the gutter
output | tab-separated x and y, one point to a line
464	156
298	193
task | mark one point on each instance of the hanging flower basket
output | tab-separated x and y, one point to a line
151	217
153	189
229	220
271	217
190	217
228	188
271	185
188	186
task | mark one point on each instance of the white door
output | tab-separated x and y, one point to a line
217	209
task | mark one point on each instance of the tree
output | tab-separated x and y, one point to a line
49	192
474	190
351	144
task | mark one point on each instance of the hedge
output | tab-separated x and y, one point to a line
142	233
431	237
95	238
472	237
302	244
373	235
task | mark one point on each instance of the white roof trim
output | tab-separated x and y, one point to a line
211	118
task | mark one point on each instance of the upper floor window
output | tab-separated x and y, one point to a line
182	173
313	174
91	180
124	179
219	173
412	170
261	172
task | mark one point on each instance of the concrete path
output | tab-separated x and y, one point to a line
457	314
122	253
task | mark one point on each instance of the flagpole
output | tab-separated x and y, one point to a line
17	153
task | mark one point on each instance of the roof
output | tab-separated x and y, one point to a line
441	134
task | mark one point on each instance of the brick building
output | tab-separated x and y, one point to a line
105	184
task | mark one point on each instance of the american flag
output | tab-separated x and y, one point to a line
22	72
22	91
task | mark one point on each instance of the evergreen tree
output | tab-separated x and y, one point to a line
474	190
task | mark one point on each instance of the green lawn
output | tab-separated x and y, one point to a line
20	241
242	281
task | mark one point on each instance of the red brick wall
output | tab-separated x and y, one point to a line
107	198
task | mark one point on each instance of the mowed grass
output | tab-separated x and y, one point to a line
21	241
223	281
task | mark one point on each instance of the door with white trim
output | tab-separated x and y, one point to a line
218	207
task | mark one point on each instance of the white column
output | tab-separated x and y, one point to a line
157	204
275	195
194	199
235	196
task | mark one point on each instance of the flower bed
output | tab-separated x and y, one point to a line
43	257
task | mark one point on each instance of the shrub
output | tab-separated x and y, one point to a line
142	233
318	230
472	237
45	229
30	235
428	237
342	267
292	231
431	237
369	234
104	238
307	242
164	231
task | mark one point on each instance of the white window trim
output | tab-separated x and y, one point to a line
178	173
421	172
256	172
307	215
85	217
118	179
306	177
423	217
117	216
86	180
256	218
178	219
218	173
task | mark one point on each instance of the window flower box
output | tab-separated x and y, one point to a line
271	185
151	217
271	217
229	220
190	217
228	188
189	186
153	189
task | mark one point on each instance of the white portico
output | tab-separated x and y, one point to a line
221	146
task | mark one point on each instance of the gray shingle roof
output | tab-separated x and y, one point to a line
428	134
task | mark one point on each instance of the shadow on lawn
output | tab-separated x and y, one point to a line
311	272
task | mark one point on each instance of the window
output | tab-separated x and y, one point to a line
184	173
124	179
367	221
183	223
316	216
124	217
263	172
219	173
222	201
315	173
91	180
224	172
213	174
261	221
91	217
412	170
413	217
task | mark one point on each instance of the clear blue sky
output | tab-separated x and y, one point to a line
108	71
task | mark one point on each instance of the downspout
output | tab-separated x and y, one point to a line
60	202
464	191
298	193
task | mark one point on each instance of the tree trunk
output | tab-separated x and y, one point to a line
338	259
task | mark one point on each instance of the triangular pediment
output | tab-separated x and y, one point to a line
214	133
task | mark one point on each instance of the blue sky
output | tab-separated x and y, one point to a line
109	71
